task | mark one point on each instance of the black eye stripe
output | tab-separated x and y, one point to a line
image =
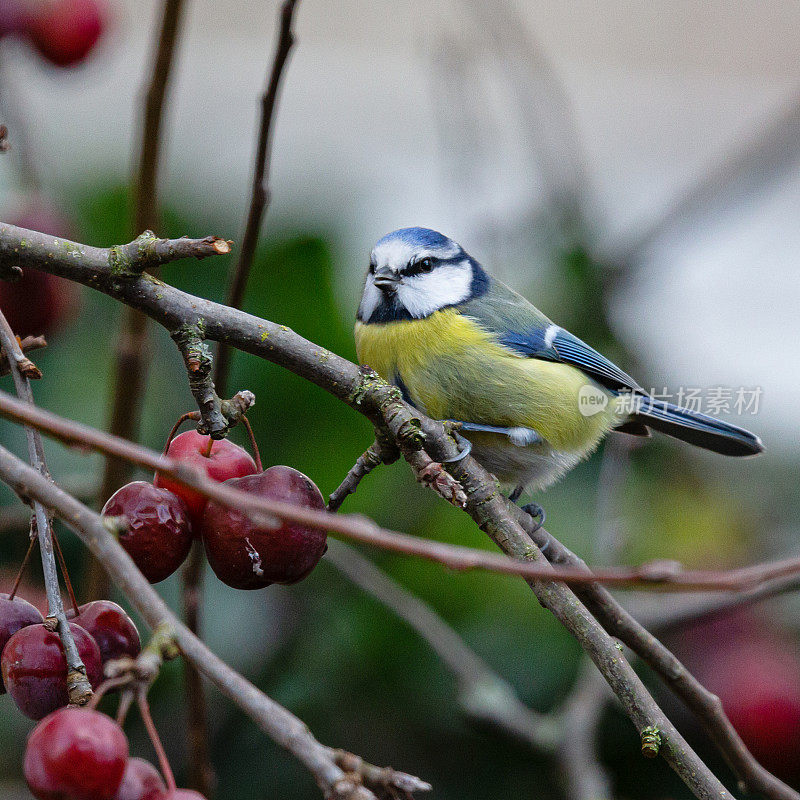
420	267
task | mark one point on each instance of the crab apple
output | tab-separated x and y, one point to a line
39	303
112	629
219	459
183	794
35	668
65	31
75	754
246	556
141	781
15	614
159	534
755	671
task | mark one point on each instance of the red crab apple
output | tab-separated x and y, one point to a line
39	303
75	754
246	556
35	668
110	627
755	671
183	794
219	459
141	781
158	535
65	31
14	615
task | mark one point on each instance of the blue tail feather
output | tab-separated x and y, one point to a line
698	429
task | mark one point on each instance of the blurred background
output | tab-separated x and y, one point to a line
633	169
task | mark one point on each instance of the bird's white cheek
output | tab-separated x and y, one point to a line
369	300
445	286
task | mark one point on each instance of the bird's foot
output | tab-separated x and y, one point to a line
538	515
465	448
519	436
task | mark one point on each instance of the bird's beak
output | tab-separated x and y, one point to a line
386	279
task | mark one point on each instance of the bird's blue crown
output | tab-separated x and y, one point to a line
416	237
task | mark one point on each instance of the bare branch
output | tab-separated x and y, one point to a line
130	364
693	609
27	367
260	193
278	723
483	694
371	458
363	530
579	719
705	705
78	686
504	523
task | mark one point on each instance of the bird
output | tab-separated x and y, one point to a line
531	399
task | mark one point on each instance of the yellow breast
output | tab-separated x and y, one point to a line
454	369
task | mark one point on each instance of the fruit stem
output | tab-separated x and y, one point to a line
207	452
253	444
195	415
124	706
105	687
65	573
144	710
22	567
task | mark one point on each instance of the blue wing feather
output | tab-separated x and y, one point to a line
521	327
569	349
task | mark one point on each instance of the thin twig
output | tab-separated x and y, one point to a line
365	531
27	344
371	458
130	367
24	565
579	718
693	609
78	686
483	694
260	194
278	723
65	573
152	732
201	773
705	705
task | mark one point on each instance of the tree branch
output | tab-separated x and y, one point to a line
26	345
78	687
260	193
363	530
130	364
483	694
278	723
364	391
705	705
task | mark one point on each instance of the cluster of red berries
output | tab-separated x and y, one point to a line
62	31
164	517
81	754
34	666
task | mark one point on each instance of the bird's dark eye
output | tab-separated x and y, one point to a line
371	268
418	267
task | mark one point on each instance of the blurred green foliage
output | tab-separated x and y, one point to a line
360	678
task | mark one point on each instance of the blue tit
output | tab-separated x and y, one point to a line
533	399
